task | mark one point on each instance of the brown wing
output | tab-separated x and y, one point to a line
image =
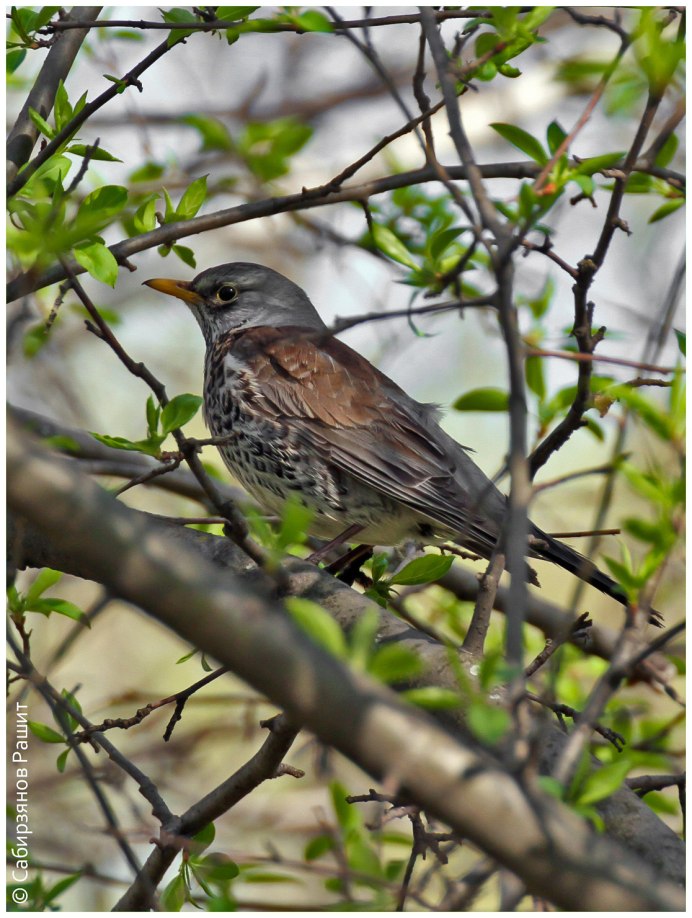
364	424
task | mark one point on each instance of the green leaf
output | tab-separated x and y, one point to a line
394	663
392	246
318	625
378	565
218	867
34	339
603	782
423	570
624	576
41	123
213	132
440	242
62	110
361	856
45	579
488	722
98	260
174	895
318	846
63	443
14	59
45	733
522	140
362	639
666	209
203	838
185	254
61	606
153	412
295	523
348	817
193	198
555	135
61	760
147	173
667	151
150	446
178	15
98	209
682	341
646	531
74	703
314	21
586	184
179	411
599	163
540	304
486	398
433	698
145	216
58	888
95	153
535	378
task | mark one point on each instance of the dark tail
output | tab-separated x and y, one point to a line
559	553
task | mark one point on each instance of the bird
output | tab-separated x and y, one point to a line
297	412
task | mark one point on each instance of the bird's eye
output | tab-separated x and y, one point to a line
226	293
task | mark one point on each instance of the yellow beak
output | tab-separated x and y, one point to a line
181	289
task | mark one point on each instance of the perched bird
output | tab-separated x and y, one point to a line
304	414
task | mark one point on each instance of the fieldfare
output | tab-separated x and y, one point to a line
304	414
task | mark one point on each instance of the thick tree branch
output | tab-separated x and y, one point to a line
246	630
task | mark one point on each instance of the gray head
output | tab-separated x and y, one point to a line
241	295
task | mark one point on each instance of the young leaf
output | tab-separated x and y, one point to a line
314	21
41	123
603	782
555	135
98	260
213	132
193	198
423	570
145	216
433	698
599	163
682	341
486	398
317	624
185	254
45	579
62	110
95	153
179	411
488	722
61	606
665	210
45	733
174	895
318	846
522	140
394	663
535	378
393	247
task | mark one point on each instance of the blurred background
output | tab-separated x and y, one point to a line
325	84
